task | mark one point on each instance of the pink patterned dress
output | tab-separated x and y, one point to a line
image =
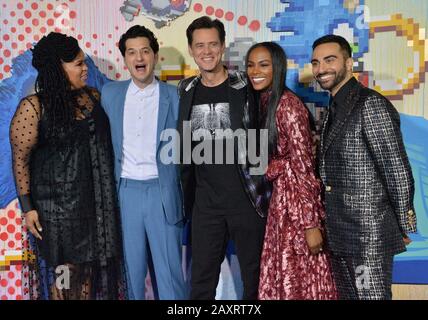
288	270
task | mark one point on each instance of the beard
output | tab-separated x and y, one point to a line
338	78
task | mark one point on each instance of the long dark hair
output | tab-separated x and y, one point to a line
279	65
52	85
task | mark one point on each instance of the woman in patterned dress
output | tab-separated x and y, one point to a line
294	263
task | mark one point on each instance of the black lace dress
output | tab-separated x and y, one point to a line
70	183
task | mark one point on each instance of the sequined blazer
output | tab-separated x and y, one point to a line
367	178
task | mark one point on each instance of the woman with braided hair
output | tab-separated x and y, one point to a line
63	167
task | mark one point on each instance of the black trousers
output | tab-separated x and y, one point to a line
210	235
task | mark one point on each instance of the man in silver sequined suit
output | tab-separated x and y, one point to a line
368	182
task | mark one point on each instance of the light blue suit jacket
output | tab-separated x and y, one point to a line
113	97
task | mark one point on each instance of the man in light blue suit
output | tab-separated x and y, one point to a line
149	190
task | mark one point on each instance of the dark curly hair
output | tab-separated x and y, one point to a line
136	32
52	85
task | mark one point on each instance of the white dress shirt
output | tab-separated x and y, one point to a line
139	132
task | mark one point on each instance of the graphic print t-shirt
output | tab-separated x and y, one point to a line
219	189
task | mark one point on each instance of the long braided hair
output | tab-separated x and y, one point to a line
52	85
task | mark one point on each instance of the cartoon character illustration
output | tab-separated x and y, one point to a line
303	21
162	12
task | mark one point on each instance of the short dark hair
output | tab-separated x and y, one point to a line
205	22
136	32
341	41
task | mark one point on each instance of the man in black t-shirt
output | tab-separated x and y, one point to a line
222	198
218	185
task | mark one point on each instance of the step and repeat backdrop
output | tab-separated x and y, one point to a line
390	48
